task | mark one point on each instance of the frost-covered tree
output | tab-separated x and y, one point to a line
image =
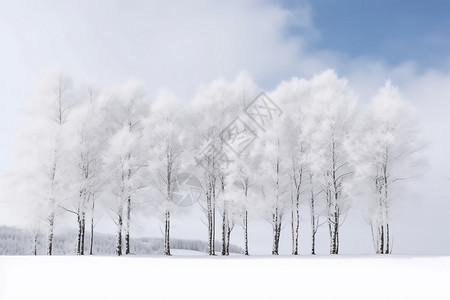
292	95
384	157
44	166
244	182
88	142
273	165
332	108
216	109
253	158
165	145
124	158
296	174
245	179
209	159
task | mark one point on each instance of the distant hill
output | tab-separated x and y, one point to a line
15	241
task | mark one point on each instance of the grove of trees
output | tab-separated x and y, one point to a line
255	156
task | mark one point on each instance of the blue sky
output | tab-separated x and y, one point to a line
391	30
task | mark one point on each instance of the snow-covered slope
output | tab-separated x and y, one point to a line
338	277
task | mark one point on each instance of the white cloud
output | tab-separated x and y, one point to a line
177	44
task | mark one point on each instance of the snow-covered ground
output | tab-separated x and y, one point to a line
188	277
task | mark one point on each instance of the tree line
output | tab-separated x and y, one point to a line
253	155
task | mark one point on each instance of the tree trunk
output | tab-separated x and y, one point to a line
381	232
333	222
228	240
276	231
246	232
278	235
333	234
210	232
35	239
213	221
334	200
224	230
83	231
127	227
119	232
209	216
51	224
295	225
313	227
330	222
314	221
385	201
336	233
79	233
387	240
313	243
81	217
224	235
167	233
277	239
91	245
293	228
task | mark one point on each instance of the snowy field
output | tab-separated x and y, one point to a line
188	277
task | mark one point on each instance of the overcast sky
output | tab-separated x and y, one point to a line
182	45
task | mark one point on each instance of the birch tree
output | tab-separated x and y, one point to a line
387	153
46	133
332	105
296	151
88	149
124	157
299	126
216	108
245	180
165	144
274	166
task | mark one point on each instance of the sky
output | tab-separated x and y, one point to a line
181	45
391	31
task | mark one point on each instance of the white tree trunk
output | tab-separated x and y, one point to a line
119	230
295	224
51	224
91	244
127	226
167	233
246	232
